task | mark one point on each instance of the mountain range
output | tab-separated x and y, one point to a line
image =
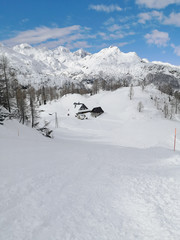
38	66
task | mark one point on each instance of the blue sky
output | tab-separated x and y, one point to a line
151	28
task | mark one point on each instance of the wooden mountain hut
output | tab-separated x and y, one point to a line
96	111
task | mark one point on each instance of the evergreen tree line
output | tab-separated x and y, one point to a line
95	86
169	105
21	101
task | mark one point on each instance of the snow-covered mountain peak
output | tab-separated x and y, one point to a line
61	49
115	55
112	61
24	46
81	53
114	48
110	50
25	49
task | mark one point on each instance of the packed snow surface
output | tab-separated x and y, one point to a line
107	178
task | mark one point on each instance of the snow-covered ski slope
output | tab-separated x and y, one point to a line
113	177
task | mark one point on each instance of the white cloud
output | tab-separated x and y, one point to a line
114	28
51	44
158	38
157	3
109	21
117	35
78	44
144	17
176	49
105	8
122	44
103	35
70	41
173	19
71	37
25	20
43	34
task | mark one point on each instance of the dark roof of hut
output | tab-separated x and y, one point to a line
97	110
83	107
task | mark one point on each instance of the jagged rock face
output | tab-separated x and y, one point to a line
161	78
53	67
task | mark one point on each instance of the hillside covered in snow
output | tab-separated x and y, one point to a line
111	177
40	66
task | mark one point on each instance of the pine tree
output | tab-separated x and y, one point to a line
6	77
22	104
32	104
131	92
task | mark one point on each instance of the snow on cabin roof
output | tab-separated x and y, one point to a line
84	111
